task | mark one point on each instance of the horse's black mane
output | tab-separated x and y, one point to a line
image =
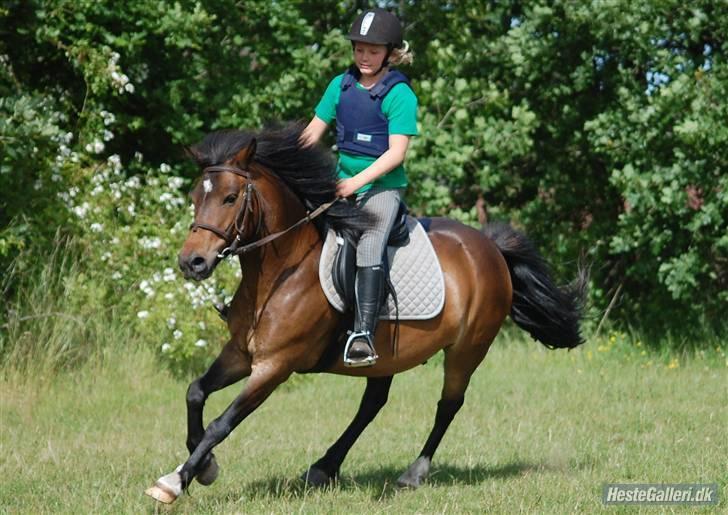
309	171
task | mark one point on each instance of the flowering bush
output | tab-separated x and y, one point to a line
135	218
594	130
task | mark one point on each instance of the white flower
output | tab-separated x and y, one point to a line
108	117
150	243
175	183
169	296
106	256
201	325
98	146
177	334
129	87
166	347
116	276
138	156
169	275
171	322
82	210
133	182
200	343
97	227
165	168
143	314
146	288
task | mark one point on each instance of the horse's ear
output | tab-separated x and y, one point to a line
192	153
243	158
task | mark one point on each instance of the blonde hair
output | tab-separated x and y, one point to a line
401	55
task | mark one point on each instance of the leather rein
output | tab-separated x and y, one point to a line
233	234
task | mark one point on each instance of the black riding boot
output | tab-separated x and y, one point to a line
359	350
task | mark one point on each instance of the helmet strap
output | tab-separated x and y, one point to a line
385	62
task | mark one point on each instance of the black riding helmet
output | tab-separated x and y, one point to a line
378	27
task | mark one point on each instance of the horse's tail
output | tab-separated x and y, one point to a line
549	313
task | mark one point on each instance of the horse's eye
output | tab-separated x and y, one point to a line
230	199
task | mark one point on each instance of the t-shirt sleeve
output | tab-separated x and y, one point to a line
400	108
326	108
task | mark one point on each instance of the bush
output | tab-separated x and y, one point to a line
596	129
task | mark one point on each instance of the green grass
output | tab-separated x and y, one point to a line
540	431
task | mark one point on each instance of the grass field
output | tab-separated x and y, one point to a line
540	431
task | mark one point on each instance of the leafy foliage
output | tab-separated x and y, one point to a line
598	127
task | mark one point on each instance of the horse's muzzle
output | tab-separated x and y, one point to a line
195	266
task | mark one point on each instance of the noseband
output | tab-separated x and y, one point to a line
233	234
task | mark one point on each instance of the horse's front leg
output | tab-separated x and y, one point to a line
265	377
231	366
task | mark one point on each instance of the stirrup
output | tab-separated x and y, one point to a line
363	362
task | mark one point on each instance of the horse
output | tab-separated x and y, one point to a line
256	197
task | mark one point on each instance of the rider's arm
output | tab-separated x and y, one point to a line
385	163
313	132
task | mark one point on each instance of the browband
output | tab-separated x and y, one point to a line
227	168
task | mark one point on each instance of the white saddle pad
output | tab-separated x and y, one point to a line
414	270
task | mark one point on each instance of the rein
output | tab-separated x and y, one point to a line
232	235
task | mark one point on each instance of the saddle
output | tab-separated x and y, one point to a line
343	273
415	284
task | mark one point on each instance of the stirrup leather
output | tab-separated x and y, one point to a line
364	362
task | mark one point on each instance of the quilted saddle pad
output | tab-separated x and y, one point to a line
414	270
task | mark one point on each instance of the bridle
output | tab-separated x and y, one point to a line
232	236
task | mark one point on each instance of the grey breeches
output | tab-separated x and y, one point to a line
381	205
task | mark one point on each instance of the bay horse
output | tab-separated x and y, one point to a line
253	200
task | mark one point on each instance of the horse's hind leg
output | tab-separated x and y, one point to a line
459	366
229	367
326	469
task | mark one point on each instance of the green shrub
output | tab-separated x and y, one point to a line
596	128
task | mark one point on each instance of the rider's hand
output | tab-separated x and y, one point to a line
346	187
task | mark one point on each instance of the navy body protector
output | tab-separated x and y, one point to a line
361	127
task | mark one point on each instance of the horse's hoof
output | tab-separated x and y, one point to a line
160	494
317	478
415	474
167	488
209	475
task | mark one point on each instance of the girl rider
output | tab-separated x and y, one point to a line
376	113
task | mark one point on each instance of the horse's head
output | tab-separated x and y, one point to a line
224	212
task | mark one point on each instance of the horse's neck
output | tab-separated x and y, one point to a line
280	209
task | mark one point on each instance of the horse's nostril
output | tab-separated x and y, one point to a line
198	264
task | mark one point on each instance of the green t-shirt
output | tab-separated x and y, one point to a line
399	107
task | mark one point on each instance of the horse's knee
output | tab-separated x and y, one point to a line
195	395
